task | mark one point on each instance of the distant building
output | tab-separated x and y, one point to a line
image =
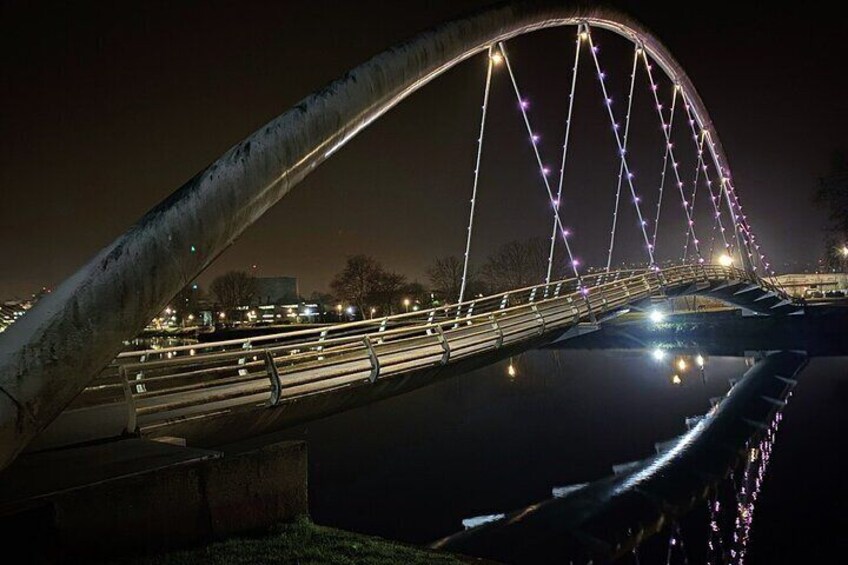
276	290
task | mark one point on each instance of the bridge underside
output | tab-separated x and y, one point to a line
213	397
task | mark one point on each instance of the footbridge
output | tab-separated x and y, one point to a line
223	391
62	366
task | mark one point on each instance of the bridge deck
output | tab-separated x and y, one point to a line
152	392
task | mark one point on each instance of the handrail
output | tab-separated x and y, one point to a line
164	385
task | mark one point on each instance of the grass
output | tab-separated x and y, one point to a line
303	543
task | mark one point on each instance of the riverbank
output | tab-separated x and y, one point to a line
301	542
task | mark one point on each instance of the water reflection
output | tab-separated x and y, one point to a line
605	519
413	467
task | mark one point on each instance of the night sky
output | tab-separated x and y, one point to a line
107	107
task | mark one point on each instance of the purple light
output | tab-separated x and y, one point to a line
566	233
602	75
546	171
575	263
525	104
535	138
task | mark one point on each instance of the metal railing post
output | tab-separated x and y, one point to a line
274	377
497	327
375	361
132	417
445	345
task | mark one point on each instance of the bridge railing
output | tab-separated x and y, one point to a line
164	385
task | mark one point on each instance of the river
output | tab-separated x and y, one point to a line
413	467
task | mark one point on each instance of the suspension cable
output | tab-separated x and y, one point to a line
567	135
663	176
754	247
699	148
741	243
485	110
545	172
623	152
690	223
715	199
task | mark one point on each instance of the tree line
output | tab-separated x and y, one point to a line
374	290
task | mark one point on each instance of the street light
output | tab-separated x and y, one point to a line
725	260
339	311
497	58
373	310
844	251
406	304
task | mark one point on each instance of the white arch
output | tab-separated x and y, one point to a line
54	351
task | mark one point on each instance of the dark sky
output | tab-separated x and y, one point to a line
107	107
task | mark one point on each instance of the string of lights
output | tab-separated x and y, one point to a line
566	137
490	62
715	199
623	153
615	127
665	169
666	128
544	171
699	148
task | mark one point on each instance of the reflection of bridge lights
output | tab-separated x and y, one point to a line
510	370
699	360
681	365
676	380
658	354
656	316
725	260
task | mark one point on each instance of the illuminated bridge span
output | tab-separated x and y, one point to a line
275	380
67	339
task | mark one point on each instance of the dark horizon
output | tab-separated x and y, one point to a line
112	108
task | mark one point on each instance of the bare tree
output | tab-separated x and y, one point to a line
365	283
387	291
445	276
234	288
517	264
355	283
